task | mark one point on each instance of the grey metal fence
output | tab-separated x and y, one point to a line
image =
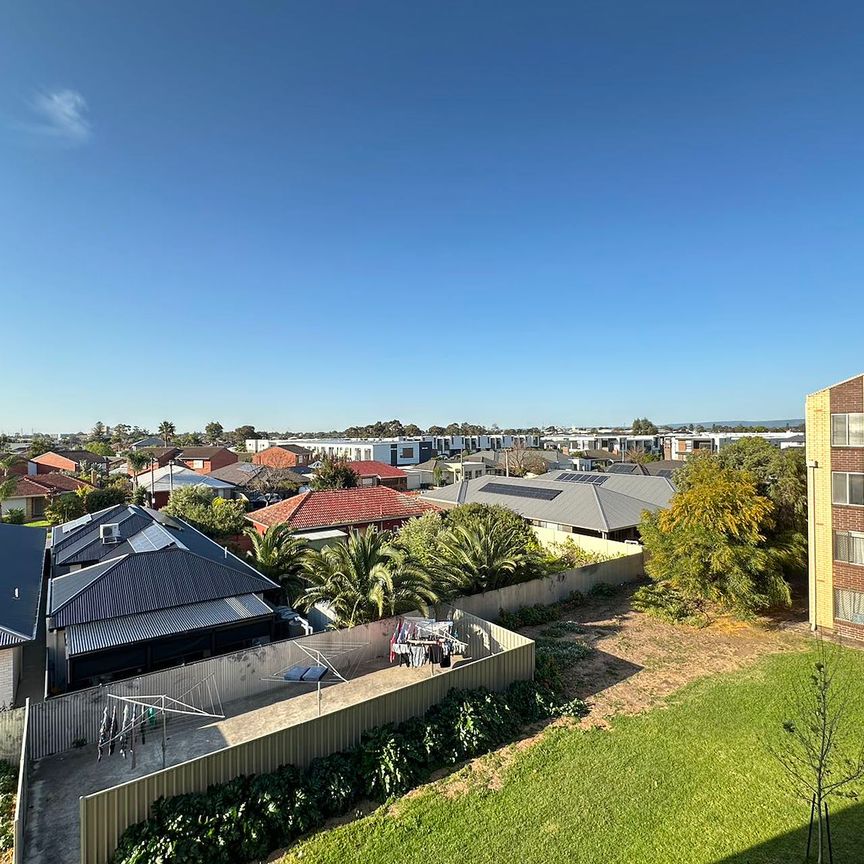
503	657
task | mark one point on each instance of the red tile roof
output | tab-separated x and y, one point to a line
43	485
374	468
360	506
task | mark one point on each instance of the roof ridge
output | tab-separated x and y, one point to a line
109	565
599	504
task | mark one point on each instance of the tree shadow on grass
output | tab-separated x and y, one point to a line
847	838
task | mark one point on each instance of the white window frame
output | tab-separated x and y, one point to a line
852	540
847	475
847	426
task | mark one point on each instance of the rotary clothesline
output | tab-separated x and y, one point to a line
145	709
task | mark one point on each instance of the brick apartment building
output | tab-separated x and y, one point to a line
283	456
835	481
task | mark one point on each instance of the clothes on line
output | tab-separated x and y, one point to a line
417	641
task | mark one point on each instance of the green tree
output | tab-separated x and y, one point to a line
100	448
417	540
199	506
472	515
8	487
64	508
815	750
99	432
137	461
334	474
100	499
482	554
282	556
40	444
214	432
240	435
710	543
167	430
364	579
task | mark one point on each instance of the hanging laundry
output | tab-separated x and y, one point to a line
103	734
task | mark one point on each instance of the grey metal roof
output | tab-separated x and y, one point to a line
618	503
173	476
98	635
144	582
22	553
82	545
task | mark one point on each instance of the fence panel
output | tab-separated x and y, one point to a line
106	814
11	733
20	822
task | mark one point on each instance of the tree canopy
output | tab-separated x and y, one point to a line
199	506
334	474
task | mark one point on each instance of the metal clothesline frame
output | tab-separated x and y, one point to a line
169	705
318	656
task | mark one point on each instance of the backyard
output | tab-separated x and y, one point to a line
671	765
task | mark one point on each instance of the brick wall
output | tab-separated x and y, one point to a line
48	462
849	631
7	677
276	457
219	460
848	397
847	518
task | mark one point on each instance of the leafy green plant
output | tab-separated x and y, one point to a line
15	516
665	601
602	589
561	628
389	762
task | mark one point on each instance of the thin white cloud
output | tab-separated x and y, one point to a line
62	114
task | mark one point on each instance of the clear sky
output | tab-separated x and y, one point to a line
316	214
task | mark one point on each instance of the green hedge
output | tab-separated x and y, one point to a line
247	818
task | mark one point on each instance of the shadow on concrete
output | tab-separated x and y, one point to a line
847	838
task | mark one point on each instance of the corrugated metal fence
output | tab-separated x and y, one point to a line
503	657
11	733
21	802
61	722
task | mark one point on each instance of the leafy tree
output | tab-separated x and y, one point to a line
139	496
189	439
100	448
281	481
121	433
282	556
482	554
523	460
213	432
241	434
39	445
167	430
8	486
436	430
199	506
64	508
643	426
99	432
334	474
710	542
815	751
100	499
417	539
412	430
473	515
364	579
437	474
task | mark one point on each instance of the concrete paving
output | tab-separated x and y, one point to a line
57	782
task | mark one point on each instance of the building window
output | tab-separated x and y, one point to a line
849	605
847	488
407	452
849	547
847	430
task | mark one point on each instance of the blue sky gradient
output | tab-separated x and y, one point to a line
312	215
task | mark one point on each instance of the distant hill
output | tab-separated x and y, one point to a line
768	424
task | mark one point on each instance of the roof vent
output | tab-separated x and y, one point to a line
17	594
110	533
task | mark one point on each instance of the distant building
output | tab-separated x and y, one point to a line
607	441
73	461
372	473
679	445
342	509
283	456
206	459
599	505
34	493
161	482
835	480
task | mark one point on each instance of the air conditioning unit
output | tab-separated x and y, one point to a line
110	533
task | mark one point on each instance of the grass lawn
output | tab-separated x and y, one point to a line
688	782
39	523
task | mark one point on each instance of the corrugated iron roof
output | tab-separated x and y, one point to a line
144	582
99	635
22	551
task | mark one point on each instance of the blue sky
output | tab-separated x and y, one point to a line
309	215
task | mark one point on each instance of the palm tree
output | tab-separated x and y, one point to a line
482	555
365	579
167	430
282	556
137	460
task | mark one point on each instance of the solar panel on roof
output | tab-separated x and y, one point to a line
520	491
594	479
619	468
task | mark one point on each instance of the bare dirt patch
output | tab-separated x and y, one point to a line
640	660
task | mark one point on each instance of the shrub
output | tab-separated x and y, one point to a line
561	628
246	818
15	516
532	616
602	589
552	658
663	601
